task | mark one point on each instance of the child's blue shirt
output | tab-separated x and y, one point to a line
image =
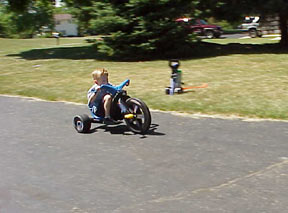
99	97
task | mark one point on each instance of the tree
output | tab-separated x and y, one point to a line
18	5
280	8
273	7
137	27
148	25
233	9
23	5
23	18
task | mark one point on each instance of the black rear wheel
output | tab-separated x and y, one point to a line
141	121
209	34
82	123
253	33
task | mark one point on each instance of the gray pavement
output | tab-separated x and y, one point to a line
181	165
235	36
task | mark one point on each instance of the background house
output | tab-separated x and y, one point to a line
65	25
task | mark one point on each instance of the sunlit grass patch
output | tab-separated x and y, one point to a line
252	84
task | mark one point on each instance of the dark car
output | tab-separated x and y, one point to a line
201	27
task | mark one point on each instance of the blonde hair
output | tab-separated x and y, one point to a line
96	74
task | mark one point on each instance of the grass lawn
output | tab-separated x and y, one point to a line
243	80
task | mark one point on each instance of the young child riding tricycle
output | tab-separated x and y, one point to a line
110	104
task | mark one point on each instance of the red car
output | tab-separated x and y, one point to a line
201	27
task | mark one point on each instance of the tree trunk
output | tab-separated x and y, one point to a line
284	29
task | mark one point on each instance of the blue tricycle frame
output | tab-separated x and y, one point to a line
133	111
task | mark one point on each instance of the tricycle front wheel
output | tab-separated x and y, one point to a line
141	120
82	123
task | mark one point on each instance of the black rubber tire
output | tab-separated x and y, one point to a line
217	35
141	122
253	33
167	90
209	34
180	90
82	123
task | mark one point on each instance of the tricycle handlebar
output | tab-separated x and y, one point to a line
114	89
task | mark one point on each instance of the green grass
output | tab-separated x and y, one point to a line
244	80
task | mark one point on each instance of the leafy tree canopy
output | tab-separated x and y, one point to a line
23	18
136	27
231	9
147	26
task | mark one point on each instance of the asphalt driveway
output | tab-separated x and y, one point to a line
182	165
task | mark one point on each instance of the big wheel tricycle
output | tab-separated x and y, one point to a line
133	111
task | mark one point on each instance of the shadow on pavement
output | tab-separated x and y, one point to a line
123	130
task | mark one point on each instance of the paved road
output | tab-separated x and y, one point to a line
182	165
231	36
236	35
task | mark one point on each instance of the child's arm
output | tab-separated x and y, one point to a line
92	95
